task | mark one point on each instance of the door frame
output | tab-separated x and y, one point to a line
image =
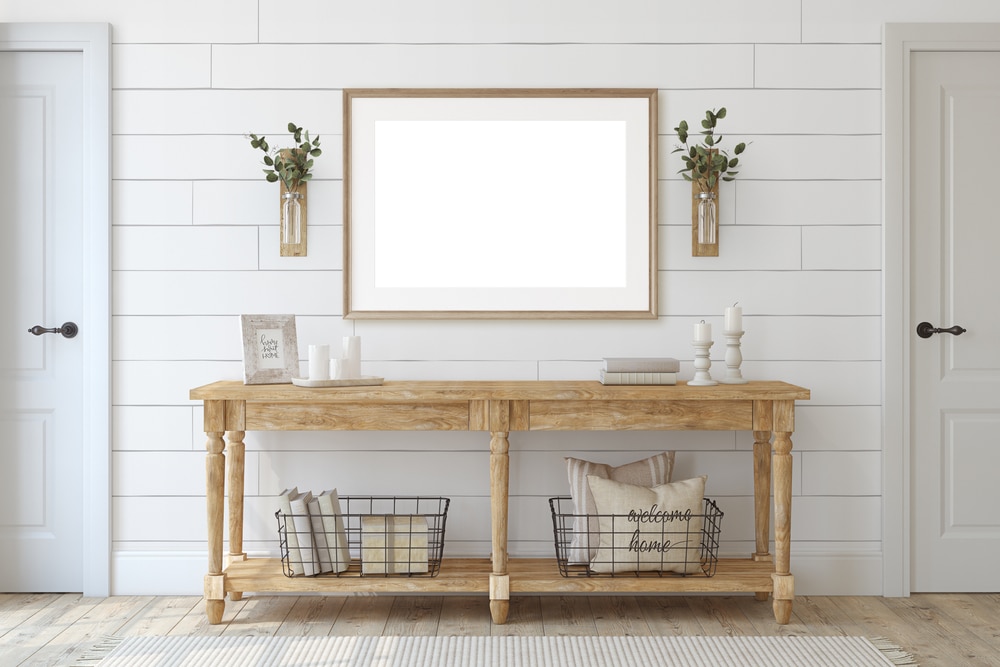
93	40
899	42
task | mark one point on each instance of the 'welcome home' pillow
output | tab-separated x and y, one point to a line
649	529
652	471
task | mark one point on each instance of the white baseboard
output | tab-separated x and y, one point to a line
817	572
158	572
837	573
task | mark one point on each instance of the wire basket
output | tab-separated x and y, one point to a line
619	554
383	536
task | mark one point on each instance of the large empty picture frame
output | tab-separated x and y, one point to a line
495	203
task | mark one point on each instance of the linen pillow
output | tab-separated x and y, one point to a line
651	471
649	529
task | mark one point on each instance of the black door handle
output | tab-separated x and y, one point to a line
68	330
926	330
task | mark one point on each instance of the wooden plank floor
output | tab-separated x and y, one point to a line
945	630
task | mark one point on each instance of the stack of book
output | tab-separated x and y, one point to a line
314	531
640	370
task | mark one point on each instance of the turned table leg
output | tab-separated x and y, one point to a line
499	485
762	499
784	583
215	470
237	458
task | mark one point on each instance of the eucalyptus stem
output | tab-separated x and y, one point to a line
705	163
292	166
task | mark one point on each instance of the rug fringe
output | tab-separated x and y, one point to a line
893	652
98	652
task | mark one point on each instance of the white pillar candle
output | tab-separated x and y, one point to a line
702	331
337	369
319	362
352	357
734	318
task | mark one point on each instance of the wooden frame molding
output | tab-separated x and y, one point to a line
497	181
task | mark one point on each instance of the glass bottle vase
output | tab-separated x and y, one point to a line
291	216
708	218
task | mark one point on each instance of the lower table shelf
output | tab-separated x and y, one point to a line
527	575
264	575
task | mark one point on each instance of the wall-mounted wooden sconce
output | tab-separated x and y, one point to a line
706	164
292	232
291	167
704	221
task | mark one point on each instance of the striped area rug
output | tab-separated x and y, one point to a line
496	652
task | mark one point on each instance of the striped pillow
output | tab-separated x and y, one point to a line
649	472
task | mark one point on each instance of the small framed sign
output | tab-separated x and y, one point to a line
270	349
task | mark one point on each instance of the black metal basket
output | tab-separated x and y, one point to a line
380	536
699	559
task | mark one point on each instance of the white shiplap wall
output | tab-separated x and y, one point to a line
195	245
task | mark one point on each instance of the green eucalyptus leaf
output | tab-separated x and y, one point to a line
289	165
706	162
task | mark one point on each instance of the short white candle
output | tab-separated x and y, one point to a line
734	318
702	331
319	362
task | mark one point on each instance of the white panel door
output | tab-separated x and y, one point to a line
955	393
41	377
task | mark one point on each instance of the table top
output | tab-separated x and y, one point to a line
499	390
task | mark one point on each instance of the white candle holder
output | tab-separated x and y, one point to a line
702	363
733	358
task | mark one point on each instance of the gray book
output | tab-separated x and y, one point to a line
333	530
608	377
641	365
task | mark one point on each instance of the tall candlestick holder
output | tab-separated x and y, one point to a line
733	358
702	363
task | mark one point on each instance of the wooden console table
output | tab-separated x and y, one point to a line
766	408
